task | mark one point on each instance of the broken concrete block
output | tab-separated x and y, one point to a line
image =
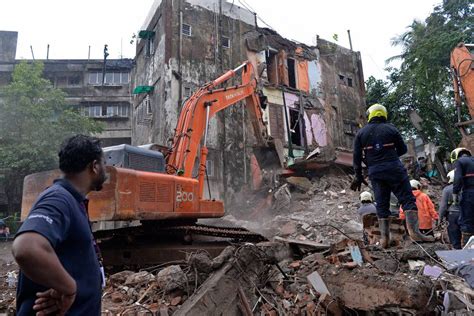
120	277
288	229
415	264
366	289
139	277
432	271
306	226
301	183
171	278
318	284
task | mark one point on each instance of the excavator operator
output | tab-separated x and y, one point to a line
379	144
464	181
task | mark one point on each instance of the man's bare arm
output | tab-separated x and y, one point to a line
39	262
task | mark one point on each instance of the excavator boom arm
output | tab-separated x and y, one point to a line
202	106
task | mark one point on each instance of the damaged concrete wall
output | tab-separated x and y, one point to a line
196	41
321	112
343	91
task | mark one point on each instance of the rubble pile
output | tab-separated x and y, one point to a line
300	208
8	277
272	278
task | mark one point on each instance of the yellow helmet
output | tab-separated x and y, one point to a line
451	176
366	196
376	110
455	154
415	184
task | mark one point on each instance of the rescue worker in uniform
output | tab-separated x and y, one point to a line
379	145
451	212
366	204
367	207
464	184
426	209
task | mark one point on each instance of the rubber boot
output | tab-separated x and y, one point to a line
384	226
413	229
465	238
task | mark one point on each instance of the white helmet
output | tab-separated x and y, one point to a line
451	176
366	196
415	184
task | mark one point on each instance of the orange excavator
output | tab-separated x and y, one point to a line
462	70
158	188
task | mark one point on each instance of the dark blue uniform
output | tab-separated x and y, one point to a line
60	216
379	145
464	183
451	212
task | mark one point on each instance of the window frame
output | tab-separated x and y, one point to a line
190	29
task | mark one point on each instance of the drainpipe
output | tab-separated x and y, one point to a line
244	136
302	123
350	40
180	55
287	123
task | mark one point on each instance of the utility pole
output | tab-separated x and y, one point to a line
32	53
106	53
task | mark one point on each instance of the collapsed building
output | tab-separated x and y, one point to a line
315	93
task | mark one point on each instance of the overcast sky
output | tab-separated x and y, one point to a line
71	26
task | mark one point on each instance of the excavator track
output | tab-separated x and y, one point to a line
238	233
155	243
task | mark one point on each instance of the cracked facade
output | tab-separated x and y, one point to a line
315	93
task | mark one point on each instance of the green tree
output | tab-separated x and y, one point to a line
422	82
34	120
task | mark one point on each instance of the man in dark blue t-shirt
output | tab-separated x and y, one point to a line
60	268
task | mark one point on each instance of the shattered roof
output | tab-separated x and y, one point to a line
263	38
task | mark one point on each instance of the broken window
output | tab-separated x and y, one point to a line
291	73
147	105
187	92
225	42
272	67
124	77
104	110
117	110
150	47
74	81
349	82
295	128
342	79
95	78
111	78
350	127
61	81
186	29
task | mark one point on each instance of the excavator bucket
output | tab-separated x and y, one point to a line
271	156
